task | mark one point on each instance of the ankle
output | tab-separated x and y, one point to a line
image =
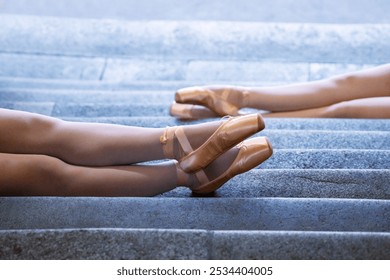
182	177
244	97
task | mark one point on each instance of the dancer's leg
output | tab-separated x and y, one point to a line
40	175
375	107
90	144
374	82
48	176
223	100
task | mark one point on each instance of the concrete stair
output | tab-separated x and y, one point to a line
324	194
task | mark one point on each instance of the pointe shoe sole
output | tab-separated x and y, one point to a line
252	152
229	134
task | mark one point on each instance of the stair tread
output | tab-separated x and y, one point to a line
191	244
347	42
312	214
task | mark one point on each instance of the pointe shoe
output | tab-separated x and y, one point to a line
224	100
228	134
189	112
252	152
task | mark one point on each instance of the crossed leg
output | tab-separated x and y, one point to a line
40	155
49	176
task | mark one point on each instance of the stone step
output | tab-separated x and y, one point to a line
277	214
346	11
304	183
191	40
126	70
328	159
162	244
25	85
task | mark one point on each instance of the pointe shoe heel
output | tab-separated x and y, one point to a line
252	153
229	134
219	101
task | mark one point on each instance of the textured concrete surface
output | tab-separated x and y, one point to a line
312	245
311	183
104	244
340	11
328	159
186	71
196	213
191	244
318	43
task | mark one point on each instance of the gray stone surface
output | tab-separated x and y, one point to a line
146	244
365	44
328	159
311	183
328	139
109	109
196	213
51	67
340	11
300	245
159	69
95	244
228	71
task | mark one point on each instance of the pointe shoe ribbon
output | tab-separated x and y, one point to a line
187	148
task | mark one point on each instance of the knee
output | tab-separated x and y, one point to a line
338	110
33	175
54	172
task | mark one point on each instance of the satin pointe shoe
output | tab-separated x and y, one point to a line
231	132
190	112
252	152
223	100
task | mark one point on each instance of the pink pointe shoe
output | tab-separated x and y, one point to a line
252	152
228	134
221	100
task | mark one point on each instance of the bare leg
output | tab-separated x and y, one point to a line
89	144
373	82
373	108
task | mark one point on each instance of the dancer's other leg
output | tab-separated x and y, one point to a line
223	100
374	82
370	108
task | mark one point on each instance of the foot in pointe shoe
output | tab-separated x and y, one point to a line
232	131
242	158
222	100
